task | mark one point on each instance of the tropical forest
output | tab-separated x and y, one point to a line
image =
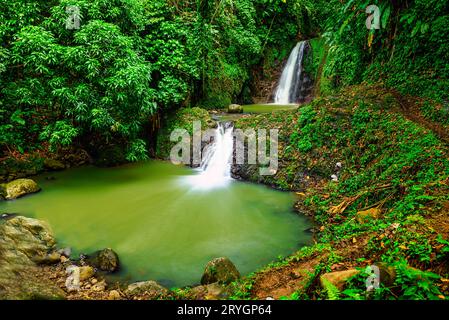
192	150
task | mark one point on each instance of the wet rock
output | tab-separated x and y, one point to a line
235	108
53	164
220	270
86	272
105	260
19	188
367	215
338	278
151	288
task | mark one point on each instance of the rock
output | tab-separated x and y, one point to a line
387	274
105	260
51	258
100	286
19	188
64	259
86	272
213	291
114	295
94	281
53	164
30	237
367	215
334	178
338	278
66	252
151	288
23	241
235	108
220	270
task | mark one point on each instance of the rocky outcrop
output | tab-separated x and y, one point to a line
18	188
105	260
24	242
220	270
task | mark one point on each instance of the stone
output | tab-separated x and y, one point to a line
100	286
367	215
151	288
30	237
86	272
338	278
213	291
114	295
235	108
19	188
66	252
50	258
220	270
105	260
23	241
53	164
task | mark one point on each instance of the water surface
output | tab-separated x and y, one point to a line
161	226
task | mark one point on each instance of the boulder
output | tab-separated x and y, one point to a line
86	272
19	188
29	237
220	270
151	288
235	108
367	215
105	260
23	242
53	164
338	278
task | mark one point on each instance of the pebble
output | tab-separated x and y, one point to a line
94	281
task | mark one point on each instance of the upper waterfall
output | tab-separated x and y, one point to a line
290	84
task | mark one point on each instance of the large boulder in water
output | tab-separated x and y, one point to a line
19	188
105	260
220	270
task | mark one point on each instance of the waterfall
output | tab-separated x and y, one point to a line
290	84
215	169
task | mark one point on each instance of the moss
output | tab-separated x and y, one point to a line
182	119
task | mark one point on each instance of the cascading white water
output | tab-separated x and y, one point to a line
216	159
287	90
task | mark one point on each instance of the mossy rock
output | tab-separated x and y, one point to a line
220	270
19	188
